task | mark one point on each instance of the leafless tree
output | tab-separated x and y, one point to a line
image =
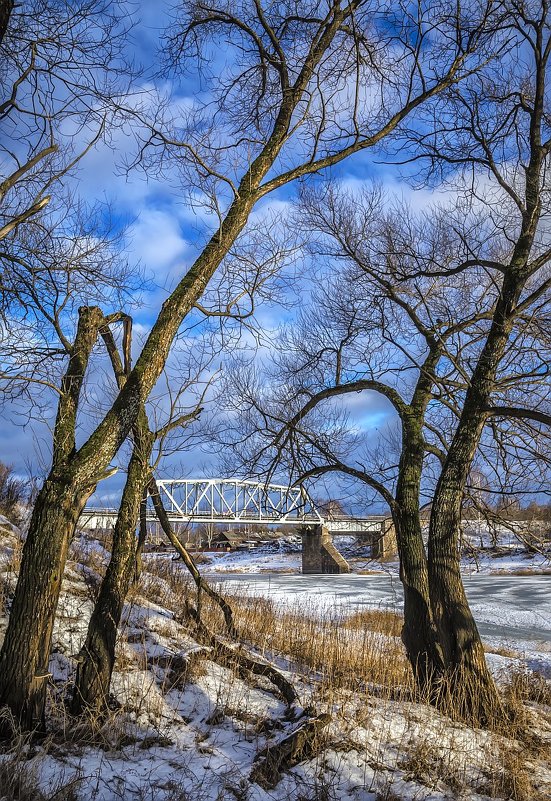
97	655
306	89
502	133
61	68
392	316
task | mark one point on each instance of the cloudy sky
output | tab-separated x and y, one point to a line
164	234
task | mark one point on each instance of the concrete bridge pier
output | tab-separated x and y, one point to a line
319	555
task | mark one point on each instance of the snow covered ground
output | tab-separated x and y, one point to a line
285	557
188	727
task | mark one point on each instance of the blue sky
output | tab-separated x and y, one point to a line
164	235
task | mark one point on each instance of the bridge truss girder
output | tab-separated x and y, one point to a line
218	500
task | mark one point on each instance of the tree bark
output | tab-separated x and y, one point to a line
24	657
25	652
97	655
468	679
142	536
6	8
419	633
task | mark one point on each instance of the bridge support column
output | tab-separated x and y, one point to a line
319	555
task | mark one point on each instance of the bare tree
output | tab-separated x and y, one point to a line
379	326
60	69
505	121
286	112
97	655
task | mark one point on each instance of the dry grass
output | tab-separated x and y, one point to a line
511	778
317	643
20	769
384	621
341	658
501	650
425	764
525	685
357	649
352	653
522	571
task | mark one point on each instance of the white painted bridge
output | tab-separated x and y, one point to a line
235	501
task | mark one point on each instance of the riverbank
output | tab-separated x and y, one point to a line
188	722
287	559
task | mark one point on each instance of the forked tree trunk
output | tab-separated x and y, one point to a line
419	633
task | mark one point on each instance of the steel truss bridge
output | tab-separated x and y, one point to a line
236	500
217	500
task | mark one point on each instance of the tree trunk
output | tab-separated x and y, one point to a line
419	631
25	653
97	655
470	684
6	8
24	659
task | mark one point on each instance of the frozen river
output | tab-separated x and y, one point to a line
509	609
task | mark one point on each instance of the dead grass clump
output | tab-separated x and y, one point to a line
316	641
525	685
91	581
90	564
427	765
85	551
106	731
152	587
19	782
341	654
181	669
128	658
20	768
384	621
510	778
501	650
352	654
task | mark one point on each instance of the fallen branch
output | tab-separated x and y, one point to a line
235	656
202	585
301	744
245	662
